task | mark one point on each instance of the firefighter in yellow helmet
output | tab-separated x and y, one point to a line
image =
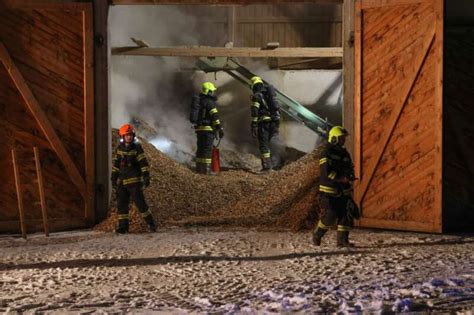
335	190
265	113
130	172
204	116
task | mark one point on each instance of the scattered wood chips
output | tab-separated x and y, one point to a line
286	198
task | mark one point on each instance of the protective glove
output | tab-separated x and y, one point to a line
344	180
352	209
146	181
114	185
253	130
221	133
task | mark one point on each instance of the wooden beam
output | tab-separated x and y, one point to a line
274	20
43	4
55	225
39	174
348	72
439	128
102	135
221	2
204	51
398	225
357	91
88	52
42	120
396	113
19	194
231	24
370	4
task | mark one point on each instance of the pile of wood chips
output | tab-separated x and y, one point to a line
177	196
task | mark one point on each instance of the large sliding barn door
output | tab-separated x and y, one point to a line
46	101
398	113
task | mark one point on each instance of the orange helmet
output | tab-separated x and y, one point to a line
126	129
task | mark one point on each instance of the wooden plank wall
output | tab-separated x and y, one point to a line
458	115
398	113
292	25
50	50
295	25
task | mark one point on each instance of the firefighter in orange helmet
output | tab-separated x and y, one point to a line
130	172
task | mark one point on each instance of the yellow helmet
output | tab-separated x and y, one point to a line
335	133
254	80
208	87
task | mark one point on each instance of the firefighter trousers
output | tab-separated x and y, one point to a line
266	130
205	140
134	193
264	136
334	212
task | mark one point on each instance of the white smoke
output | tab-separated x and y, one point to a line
153	89
158	90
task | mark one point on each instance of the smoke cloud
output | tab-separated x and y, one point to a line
158	90
154	90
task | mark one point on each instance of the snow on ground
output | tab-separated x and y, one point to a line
236	271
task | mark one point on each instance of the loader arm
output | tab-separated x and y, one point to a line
288	105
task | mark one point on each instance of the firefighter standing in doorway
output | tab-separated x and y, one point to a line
265	113
130	172
335	190
204	116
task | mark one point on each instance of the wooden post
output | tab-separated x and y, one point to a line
231	25
19	195
102	135
348	71
44	209
88	51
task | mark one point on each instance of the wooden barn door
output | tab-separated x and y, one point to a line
398	113
46	101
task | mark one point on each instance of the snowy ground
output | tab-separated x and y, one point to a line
235	271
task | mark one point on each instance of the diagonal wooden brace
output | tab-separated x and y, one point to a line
396	113
42	120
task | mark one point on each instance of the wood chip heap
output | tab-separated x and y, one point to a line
177	196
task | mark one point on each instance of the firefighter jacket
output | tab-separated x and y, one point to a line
335	163
208	118
130	164
265	106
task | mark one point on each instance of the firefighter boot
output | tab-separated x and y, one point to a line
343	239
346	240
266	164
151	223
148	217
200	168
122	227
318	235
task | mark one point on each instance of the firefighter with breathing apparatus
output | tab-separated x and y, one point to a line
265	113
335	191
205	119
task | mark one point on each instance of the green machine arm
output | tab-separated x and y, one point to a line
288	105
